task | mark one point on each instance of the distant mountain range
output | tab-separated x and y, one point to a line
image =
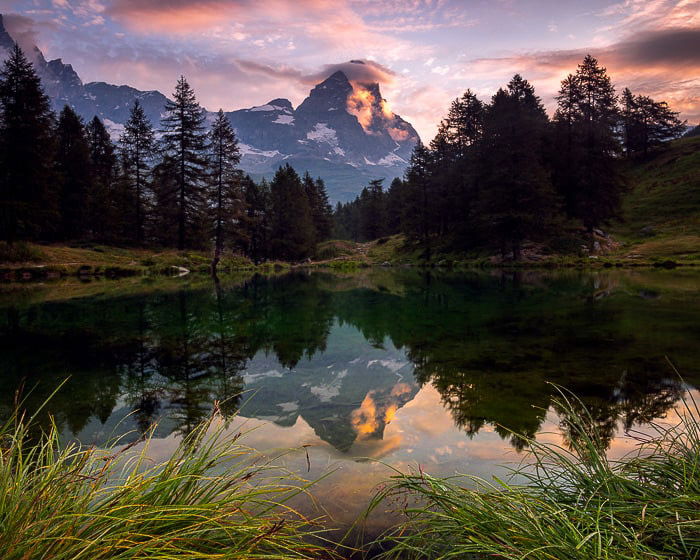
343	131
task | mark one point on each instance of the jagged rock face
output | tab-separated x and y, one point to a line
343	132
6	42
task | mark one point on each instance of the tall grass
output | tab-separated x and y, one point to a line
574	503
210	499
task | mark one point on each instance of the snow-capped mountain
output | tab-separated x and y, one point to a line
343	131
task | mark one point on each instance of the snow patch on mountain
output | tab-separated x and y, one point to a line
284	119
392	159
247	150
322	133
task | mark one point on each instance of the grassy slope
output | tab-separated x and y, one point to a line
664	197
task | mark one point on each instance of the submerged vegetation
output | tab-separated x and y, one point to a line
213	498
573	501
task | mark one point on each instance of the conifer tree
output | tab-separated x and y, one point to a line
419	218
647	123
395	204
28	198
292	235
137	147
73	168
518	201
588	146
102	215
185	141
226	198
321	210
165	207
259	216
373	213
454	151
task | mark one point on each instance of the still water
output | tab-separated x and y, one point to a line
373	370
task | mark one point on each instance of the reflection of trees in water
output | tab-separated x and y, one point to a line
172	353
489	345
519	335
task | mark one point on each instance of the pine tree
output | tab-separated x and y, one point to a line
28	198
292	229
73	169
373	213
420	216
395	205
102	216
258	222
647	123
518	201
587	124
165	187
226	198
321	210
185	141
137	147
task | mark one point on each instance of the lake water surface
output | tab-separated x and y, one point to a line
383	368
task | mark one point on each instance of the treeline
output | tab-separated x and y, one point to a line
179	186
501	173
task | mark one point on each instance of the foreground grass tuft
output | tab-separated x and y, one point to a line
211	499
574	503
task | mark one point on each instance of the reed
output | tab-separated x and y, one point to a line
570	503
213	498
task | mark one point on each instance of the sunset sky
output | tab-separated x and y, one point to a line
238	53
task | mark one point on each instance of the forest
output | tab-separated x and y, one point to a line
502	173
176	186
497	175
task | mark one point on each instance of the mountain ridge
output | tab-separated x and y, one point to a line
343	131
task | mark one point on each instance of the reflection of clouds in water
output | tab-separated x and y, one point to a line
421	435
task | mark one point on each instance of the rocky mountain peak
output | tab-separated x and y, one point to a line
343	131
330	95
6	42
282	103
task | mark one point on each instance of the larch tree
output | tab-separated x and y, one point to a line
185	143
518	200
101	210
587	161
292	228
420	213
226	198
137	147
647	123
28	198
73	171
321	210
258	218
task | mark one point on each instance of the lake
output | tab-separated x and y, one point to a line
382	368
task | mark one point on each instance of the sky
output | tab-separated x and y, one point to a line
424	53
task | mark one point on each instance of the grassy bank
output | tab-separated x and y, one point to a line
213	498
27	261
573	503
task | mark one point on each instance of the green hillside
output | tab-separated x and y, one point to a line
661	212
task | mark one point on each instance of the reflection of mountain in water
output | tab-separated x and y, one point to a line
350	391
345	354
